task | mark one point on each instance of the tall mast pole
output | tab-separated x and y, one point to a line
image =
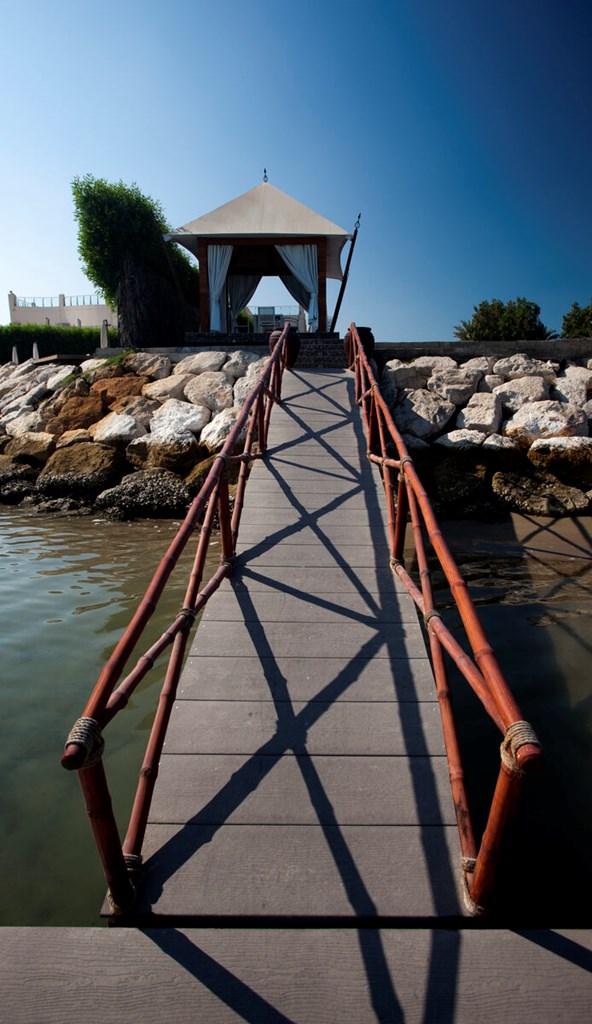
346	274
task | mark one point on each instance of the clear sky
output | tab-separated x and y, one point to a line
461	130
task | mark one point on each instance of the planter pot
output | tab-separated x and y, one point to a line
292	345
367	340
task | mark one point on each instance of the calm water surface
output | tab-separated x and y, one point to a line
68	588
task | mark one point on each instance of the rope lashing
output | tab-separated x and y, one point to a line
133	861
406	458
517	735
86	733
429	616
468	864
188	614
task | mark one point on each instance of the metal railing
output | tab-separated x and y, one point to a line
84	746
54	301
520	749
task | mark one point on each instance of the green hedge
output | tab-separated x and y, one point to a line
51	341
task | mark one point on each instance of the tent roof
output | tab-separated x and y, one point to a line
267	212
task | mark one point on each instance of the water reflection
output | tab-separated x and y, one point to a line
68	588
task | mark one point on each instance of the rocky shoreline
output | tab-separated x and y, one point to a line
492	435
133	436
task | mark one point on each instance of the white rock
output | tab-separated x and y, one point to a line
25	423
570	389
116	429
521	365
483	412
545	419
239	363
145	364
91	364
403	375
215	432
455	385
168	387
423	414
242	389
521	390
174	417
489	382
60	375
257	368
211	389
201	362
498	443
483	364
462	440
430	364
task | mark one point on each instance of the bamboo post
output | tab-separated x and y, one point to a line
97	798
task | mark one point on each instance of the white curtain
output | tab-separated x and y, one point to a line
218	264
296	289
302	260
241	288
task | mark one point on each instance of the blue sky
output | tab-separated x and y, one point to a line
460	130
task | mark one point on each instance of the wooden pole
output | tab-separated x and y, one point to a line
345	275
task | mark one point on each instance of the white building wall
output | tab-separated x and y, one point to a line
61	311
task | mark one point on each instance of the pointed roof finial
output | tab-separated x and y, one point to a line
265	174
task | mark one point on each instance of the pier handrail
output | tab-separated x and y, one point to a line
520	749
85	744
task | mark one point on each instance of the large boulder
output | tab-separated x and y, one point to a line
140	408
178	454
76	413
117	429
214	390
13	476
427	365
201	362
482	364
259	367
113	390
520	391
143	364
148	493
215	432
405	375
545	419
521	365
30	421
573	385
423	414
81	470
461	440
174	417
168	387
489	382
34	448
242	389
59	375
569	458
541	495
455	386
239	363
483	412
70	437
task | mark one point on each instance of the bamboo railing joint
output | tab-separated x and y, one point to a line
189	615
468	864
133	862
433	614
395	563
519	734
86	734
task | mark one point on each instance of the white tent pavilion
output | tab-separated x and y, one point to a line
262	233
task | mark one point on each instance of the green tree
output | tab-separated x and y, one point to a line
578	322
515	320
152	283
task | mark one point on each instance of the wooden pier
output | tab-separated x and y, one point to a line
304	773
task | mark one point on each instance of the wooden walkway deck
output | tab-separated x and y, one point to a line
304	772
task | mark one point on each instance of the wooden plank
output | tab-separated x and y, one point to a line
302	870
302	533
312	976
316	639
252	515
240	604
294	555
307	679
340	727
237	789
365	580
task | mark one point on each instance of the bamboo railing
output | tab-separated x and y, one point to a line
84	746
407	502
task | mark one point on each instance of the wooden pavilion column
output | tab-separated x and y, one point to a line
322	260
204	287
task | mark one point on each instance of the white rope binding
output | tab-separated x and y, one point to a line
86	733
517	735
